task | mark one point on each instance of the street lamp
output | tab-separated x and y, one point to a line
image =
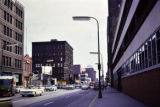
101	64
3	47
87	18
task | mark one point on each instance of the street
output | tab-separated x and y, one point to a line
59	98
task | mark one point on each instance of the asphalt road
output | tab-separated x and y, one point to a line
59	98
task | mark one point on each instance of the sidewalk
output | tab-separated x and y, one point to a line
113	98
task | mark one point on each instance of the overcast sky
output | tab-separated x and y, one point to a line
52	19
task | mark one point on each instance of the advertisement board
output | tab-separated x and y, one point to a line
47	70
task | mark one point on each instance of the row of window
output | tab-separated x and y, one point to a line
6	61
27	68
19	12
7	17
19	24
49	54
10	5
18	37
53	65
142	11
7	48
18	50
49	47
18	63
147	55
9	32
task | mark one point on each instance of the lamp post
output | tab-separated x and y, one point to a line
87	18
3	47
101	64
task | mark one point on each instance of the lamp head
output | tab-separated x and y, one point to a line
81	18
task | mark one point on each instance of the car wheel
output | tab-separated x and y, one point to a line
22	95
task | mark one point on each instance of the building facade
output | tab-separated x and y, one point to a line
91	73
84	78
11	39
27	71
58	54
135	50
76	73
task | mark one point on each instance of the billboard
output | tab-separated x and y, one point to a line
47	70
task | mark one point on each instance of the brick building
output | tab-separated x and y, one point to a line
58	54
27	71
11	38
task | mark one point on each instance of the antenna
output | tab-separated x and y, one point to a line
26	40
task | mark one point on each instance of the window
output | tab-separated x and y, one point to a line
158	45
6	61
146	54
9	4
142	55
154	49
149	53
5	30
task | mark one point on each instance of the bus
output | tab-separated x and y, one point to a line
7	85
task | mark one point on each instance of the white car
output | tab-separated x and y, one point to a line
31	92
41	88
51	88
85	87
19	88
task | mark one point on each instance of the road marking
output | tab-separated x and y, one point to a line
90	105
17	100
48	103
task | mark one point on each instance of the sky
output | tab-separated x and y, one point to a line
52	19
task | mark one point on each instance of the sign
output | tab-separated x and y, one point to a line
28	62
47	70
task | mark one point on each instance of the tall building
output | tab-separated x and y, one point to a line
27	71
91	73
76	73
58	55
11	38
135	49
113	11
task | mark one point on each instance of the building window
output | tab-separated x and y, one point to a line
154	50
158	45
149	53
146	55
6	61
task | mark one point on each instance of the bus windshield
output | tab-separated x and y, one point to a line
5	81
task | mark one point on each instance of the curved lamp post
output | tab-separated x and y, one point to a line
87	18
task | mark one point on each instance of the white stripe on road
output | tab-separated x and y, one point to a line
48	103
17	100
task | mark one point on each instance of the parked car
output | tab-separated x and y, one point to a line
85	87
77	85
70	87
41	88
59	86
19	88
64	86
34	91
51	88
